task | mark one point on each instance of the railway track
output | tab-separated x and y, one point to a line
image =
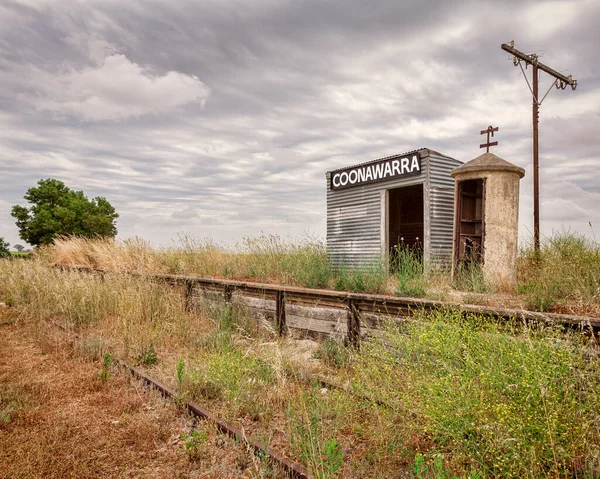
292	469
357	307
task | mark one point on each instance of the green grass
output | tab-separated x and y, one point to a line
469	277
564	277
408	269
442	396
313	436
499	400
566	270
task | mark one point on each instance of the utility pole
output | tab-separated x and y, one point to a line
560	81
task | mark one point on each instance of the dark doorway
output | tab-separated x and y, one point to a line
406	220
470	221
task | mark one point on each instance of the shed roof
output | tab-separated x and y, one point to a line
422	152
488	162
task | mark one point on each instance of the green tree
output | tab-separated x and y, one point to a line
57	210
4	252
19	247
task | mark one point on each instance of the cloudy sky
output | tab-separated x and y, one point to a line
221	118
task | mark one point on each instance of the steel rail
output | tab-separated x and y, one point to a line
292	469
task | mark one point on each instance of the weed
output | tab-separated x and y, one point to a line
313	437
196	444
92	348
107	361
435	470
503	399
407	266
6	414
469	277
370	278
333	456
230	375
180	371
8	406
511	399
565	274
227	320
147	356
566	269
333	353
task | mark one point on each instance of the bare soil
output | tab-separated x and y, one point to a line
58	419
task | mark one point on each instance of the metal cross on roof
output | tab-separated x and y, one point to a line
490	129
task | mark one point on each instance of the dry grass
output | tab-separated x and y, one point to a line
564	278
485	400
59	420
236	367
107	254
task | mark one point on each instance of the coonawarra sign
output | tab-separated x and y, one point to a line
371	173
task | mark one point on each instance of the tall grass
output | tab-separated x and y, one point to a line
267	258
409	270
564	275
134	313
463	396
469	277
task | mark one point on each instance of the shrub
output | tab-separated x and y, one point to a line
196	443
107	361
147	356
4	251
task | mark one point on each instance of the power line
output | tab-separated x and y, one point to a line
561	81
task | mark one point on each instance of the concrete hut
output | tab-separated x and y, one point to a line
486	218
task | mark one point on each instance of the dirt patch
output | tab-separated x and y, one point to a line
59	419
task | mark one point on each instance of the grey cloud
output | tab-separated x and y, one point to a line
185	213
113	90
296	89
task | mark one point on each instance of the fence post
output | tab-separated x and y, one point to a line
280	313
188	294
227	293
353	324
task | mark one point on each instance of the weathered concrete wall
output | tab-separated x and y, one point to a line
501	219
501	229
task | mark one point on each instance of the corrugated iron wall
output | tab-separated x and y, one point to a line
353	225
442	209
354	216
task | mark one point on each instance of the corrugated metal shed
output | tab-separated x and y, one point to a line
358	218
